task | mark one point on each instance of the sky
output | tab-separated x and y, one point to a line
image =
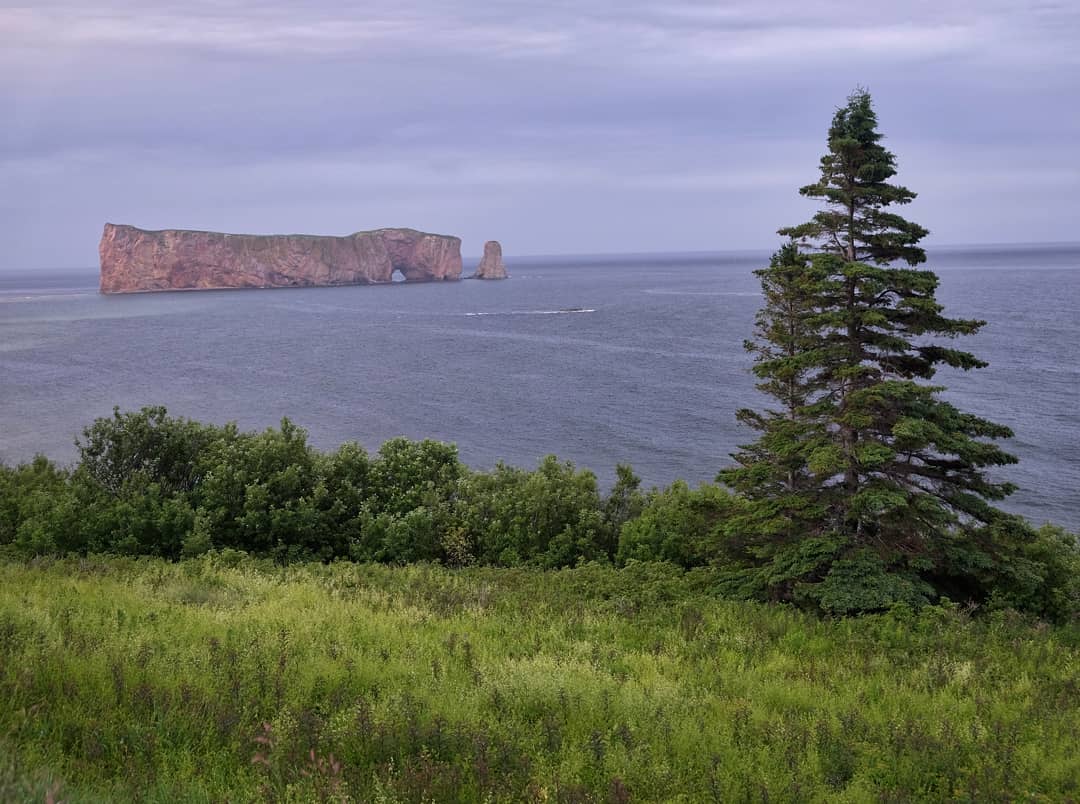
584	126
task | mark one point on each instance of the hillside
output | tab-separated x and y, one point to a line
225	678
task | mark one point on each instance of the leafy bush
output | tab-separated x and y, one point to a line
550	517
678	524
406	507
1042	574
257	493
150	485
142	447
35	505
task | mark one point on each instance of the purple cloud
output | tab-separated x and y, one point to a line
591	125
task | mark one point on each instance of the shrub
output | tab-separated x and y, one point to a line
678	524
550	517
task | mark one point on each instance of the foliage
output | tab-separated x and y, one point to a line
271	495
149	484
147	446
34	507
229	678
551	517
866	488
260	494
1041	573
412	486
678	524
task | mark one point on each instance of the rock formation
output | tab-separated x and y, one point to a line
134	260
491	266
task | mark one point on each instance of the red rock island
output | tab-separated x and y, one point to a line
134	260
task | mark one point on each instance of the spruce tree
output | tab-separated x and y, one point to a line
864	488
773	472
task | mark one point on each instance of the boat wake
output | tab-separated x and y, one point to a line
564	311
656	292
17	297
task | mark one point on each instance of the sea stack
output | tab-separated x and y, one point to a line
135	260
491	266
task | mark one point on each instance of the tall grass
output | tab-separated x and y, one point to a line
224	678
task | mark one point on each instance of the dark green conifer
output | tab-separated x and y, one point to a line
866	488
774	471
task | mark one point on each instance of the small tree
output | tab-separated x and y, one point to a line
774	472
147	446
866	488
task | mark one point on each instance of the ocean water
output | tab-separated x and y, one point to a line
600	360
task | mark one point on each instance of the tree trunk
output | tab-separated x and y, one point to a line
847	433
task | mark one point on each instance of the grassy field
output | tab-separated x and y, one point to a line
225	679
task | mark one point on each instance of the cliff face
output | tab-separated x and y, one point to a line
491	266
134	260
421	257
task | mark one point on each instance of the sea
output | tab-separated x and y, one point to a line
599	360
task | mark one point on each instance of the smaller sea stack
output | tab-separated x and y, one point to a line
491	266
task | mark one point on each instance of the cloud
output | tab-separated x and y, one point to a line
614	124
738	33
268	30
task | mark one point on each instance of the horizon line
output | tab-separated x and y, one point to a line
690	252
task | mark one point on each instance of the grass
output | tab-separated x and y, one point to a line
228	679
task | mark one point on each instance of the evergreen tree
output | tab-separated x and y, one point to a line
866	488
773	472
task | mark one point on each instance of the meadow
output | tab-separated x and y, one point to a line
226	678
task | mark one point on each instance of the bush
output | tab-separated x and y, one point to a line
29	493
257	490
678	524
151	485
148	446
1042	577
551	517
406	475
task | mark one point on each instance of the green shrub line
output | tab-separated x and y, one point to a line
148	484
227	677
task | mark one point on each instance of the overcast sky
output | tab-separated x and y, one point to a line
555	127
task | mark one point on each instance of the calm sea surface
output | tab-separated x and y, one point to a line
600	360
